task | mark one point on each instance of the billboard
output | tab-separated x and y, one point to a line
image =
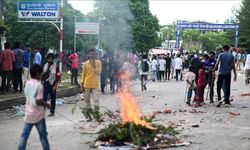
87	28
38	9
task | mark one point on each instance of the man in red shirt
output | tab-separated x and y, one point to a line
74	58
7	59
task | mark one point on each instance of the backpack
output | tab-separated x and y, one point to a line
47	74
145	66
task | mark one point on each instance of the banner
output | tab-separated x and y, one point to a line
87	28
203	26
37	9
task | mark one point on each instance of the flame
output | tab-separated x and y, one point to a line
130	112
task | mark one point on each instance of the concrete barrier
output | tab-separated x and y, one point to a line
20	100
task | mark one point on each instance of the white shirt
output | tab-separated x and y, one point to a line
162	64
177	63
247	64
140	69
190	76
154	64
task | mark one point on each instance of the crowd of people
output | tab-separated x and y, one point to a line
26	68
199	71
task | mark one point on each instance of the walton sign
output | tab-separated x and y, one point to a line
206	26
37	9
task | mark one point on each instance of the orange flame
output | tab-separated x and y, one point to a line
129	110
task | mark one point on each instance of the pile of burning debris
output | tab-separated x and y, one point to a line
132	135
135	131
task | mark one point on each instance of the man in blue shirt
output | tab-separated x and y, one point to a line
209	74
226	62
37	58
18	68
26	64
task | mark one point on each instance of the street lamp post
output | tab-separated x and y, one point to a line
75	36
61	37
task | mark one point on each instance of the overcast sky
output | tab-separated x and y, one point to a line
168	11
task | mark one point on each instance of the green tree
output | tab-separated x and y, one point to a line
145	26
243	15
127	24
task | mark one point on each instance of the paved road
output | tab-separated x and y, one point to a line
217	128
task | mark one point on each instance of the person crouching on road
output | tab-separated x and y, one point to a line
91	70
191	85
50	82
35	109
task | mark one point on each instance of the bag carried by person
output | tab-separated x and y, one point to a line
145	66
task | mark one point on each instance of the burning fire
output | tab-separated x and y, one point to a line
129	110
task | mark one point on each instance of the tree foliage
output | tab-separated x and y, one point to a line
243	15
127	25
145	26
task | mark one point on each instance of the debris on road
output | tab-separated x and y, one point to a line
245	94
233	113
195	126
194	111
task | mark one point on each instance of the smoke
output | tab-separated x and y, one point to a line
115	31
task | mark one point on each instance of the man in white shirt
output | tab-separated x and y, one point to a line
154	68
247	69
178	66
162	68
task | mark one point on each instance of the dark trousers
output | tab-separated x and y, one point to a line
177	72
48	91
167	73
210	79
103	82
7	75
144	79
162	75
17	79
74	73
227	80
112	81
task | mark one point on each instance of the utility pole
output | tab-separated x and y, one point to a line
61	36
75	36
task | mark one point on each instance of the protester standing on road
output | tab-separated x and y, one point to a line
210	75
104	73
50	82
143	70
7	60
18	68
26	65
74	58
168	67
191	85
34	109
154	68
195	61
177	66
111	70
37	57
91	70
247	69
226	62
201	84
162	68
